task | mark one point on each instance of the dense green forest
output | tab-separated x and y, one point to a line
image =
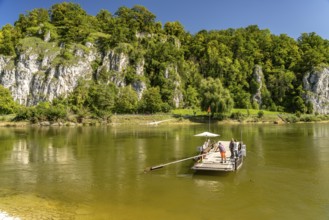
215	68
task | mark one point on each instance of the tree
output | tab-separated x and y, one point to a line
78	99
126	101
151	101
31	22
213	94
299	105
174	28
280	82
191	97
101	99
8	39
49	111
285	52
104	20
72	22
314	49
242	99
7	103
137	19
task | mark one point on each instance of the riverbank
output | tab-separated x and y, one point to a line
187	119
14	124
134	119
173	119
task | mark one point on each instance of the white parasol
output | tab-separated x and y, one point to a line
206	134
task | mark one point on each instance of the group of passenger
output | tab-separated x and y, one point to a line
234	146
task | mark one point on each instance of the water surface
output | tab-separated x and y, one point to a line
98	173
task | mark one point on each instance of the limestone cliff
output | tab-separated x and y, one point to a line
40	73
44	71
258	76
316	85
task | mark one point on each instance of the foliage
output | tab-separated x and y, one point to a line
7	104
101	100
151	101
44	111
126	100
215	96
191	98
8	39
50	111
260	114
210	68
24	113
236	115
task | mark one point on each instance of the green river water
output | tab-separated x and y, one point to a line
98	173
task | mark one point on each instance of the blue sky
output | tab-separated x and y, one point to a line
291	17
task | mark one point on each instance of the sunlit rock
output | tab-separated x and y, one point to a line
316	85
44	71
258	76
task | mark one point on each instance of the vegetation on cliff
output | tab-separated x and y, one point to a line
214	68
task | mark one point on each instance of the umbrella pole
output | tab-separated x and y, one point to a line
209	122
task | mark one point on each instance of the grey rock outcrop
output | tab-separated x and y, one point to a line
40	74
258	76
44	71
139	86
171	73
316	85
115	63
32	79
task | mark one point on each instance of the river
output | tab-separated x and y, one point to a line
98	173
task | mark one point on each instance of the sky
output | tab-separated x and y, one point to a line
291	17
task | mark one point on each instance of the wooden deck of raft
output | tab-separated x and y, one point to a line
212	161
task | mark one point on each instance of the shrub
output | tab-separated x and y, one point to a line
236	115
292	119
260	114
7	104
24	113
221	116
298	114
165	107
56	112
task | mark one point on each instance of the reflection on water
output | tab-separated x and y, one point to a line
97	173
6	216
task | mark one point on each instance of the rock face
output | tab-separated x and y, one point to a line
258	77
116	63
42	72
32	79
171	73
139	86
316	85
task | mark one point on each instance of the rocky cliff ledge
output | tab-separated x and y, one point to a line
316	85
42	72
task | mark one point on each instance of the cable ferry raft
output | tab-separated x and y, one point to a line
221	156
214	156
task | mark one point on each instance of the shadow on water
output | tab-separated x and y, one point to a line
211	173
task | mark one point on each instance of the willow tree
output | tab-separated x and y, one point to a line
214	95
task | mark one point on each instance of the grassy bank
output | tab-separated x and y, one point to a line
181	116
7	121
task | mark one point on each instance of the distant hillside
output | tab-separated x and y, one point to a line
127	62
